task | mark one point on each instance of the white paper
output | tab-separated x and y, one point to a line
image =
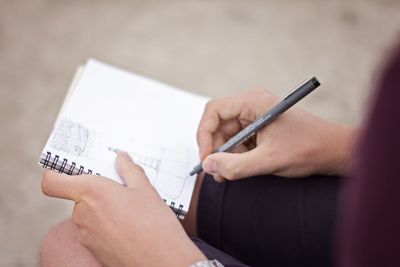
111	109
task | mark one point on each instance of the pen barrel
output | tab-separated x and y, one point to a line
250	130
292	98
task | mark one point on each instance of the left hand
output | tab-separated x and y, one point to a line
123	226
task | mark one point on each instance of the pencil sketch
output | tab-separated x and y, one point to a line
71	137
163	169
141	159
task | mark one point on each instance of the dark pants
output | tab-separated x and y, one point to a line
268	221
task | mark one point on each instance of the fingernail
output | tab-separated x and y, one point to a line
210	166
125	155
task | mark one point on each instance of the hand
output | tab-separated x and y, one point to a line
123	226
296	144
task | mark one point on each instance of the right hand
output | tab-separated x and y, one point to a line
296	144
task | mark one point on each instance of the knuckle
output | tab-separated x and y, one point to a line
234	171
209	104
259	92
260	98
213	105
256	91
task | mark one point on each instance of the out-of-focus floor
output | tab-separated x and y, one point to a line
214	48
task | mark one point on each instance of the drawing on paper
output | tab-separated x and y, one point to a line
142	160
71	137
163	168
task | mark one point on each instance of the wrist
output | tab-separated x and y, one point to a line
193	257
341	141
186	255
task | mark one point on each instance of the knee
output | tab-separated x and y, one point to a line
62	248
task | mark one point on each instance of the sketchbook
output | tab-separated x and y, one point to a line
108	110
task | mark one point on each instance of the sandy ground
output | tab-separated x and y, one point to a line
214	48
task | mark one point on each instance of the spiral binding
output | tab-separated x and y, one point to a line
63	166
179	212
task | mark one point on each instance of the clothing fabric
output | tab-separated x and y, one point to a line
371	229
268	220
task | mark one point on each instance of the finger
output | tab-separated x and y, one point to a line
225	131
240	149
218	178
62	186
218	140
215	112
132	174
229	128
208	125
226	108
76	215
235	165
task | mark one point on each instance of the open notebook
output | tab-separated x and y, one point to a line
107	110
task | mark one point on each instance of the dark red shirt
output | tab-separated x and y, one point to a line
370	233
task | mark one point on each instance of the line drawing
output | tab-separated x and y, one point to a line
166	167
141	159
160	171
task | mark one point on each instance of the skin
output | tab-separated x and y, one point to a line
123	226
61	248
132	226
296	144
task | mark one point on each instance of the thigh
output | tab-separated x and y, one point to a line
270	221
61	248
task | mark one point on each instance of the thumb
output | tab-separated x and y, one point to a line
234	166
132	174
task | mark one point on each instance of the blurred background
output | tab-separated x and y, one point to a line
214	48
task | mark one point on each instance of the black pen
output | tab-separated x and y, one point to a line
288	101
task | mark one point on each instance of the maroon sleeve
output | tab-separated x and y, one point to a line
370	233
